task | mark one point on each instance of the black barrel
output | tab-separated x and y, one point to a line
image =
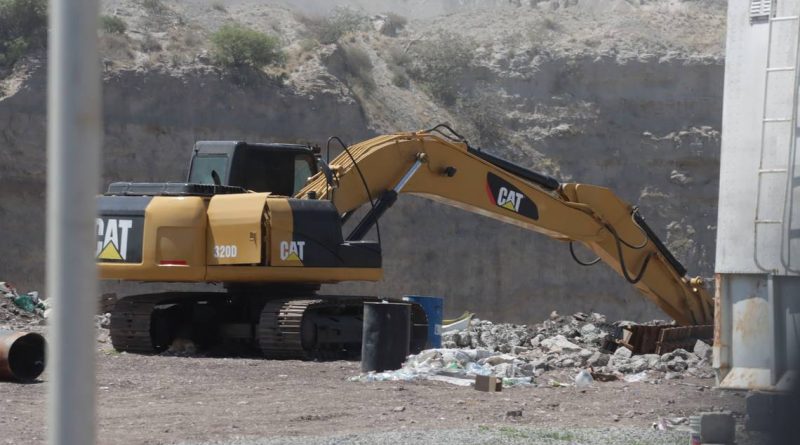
386	337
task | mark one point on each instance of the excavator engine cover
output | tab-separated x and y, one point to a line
235	229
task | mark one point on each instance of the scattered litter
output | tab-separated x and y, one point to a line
600	377
638	377
514	414
458	381
457	324
557	384
488	383
457	366
583	379
671	423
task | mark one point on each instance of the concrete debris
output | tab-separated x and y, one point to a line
103	321
559	344
576	341
518	354
702	350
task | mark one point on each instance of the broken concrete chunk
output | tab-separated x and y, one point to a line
588	329
559	343
652	360
702	350
677	365
585	354
497	359
518	350
623	353
598	359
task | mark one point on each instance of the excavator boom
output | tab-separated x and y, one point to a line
446	169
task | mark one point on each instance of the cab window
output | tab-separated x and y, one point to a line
302	171
202	166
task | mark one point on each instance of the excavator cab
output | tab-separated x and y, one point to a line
281	169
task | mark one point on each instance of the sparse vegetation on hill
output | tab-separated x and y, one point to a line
23	27
439	62
358	67
394	23
153	6
236	46
330	29
113	24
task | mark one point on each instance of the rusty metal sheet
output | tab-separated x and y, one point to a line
683	337
660	339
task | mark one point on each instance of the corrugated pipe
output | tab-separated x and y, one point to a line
21	355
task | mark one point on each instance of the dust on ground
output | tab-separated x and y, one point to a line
159	399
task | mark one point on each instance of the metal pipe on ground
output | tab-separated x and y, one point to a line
22	355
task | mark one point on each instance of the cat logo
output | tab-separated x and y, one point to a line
292	251
504	194
112	244
509	199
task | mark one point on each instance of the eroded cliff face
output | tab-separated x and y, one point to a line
645	126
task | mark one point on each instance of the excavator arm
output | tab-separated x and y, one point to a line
448	170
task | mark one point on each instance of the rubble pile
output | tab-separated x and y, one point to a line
578	341
29	313
21	312
521	353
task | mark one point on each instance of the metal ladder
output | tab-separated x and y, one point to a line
768	119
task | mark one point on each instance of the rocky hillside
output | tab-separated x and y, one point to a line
625	94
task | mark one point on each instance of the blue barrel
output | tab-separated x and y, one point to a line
433	307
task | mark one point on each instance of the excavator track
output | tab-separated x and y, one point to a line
325	328
130	323
280	327
301	328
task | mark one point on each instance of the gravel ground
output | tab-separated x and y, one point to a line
194	400
487	435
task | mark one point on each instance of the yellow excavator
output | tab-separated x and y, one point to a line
266	220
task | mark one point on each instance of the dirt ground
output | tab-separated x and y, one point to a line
157	399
